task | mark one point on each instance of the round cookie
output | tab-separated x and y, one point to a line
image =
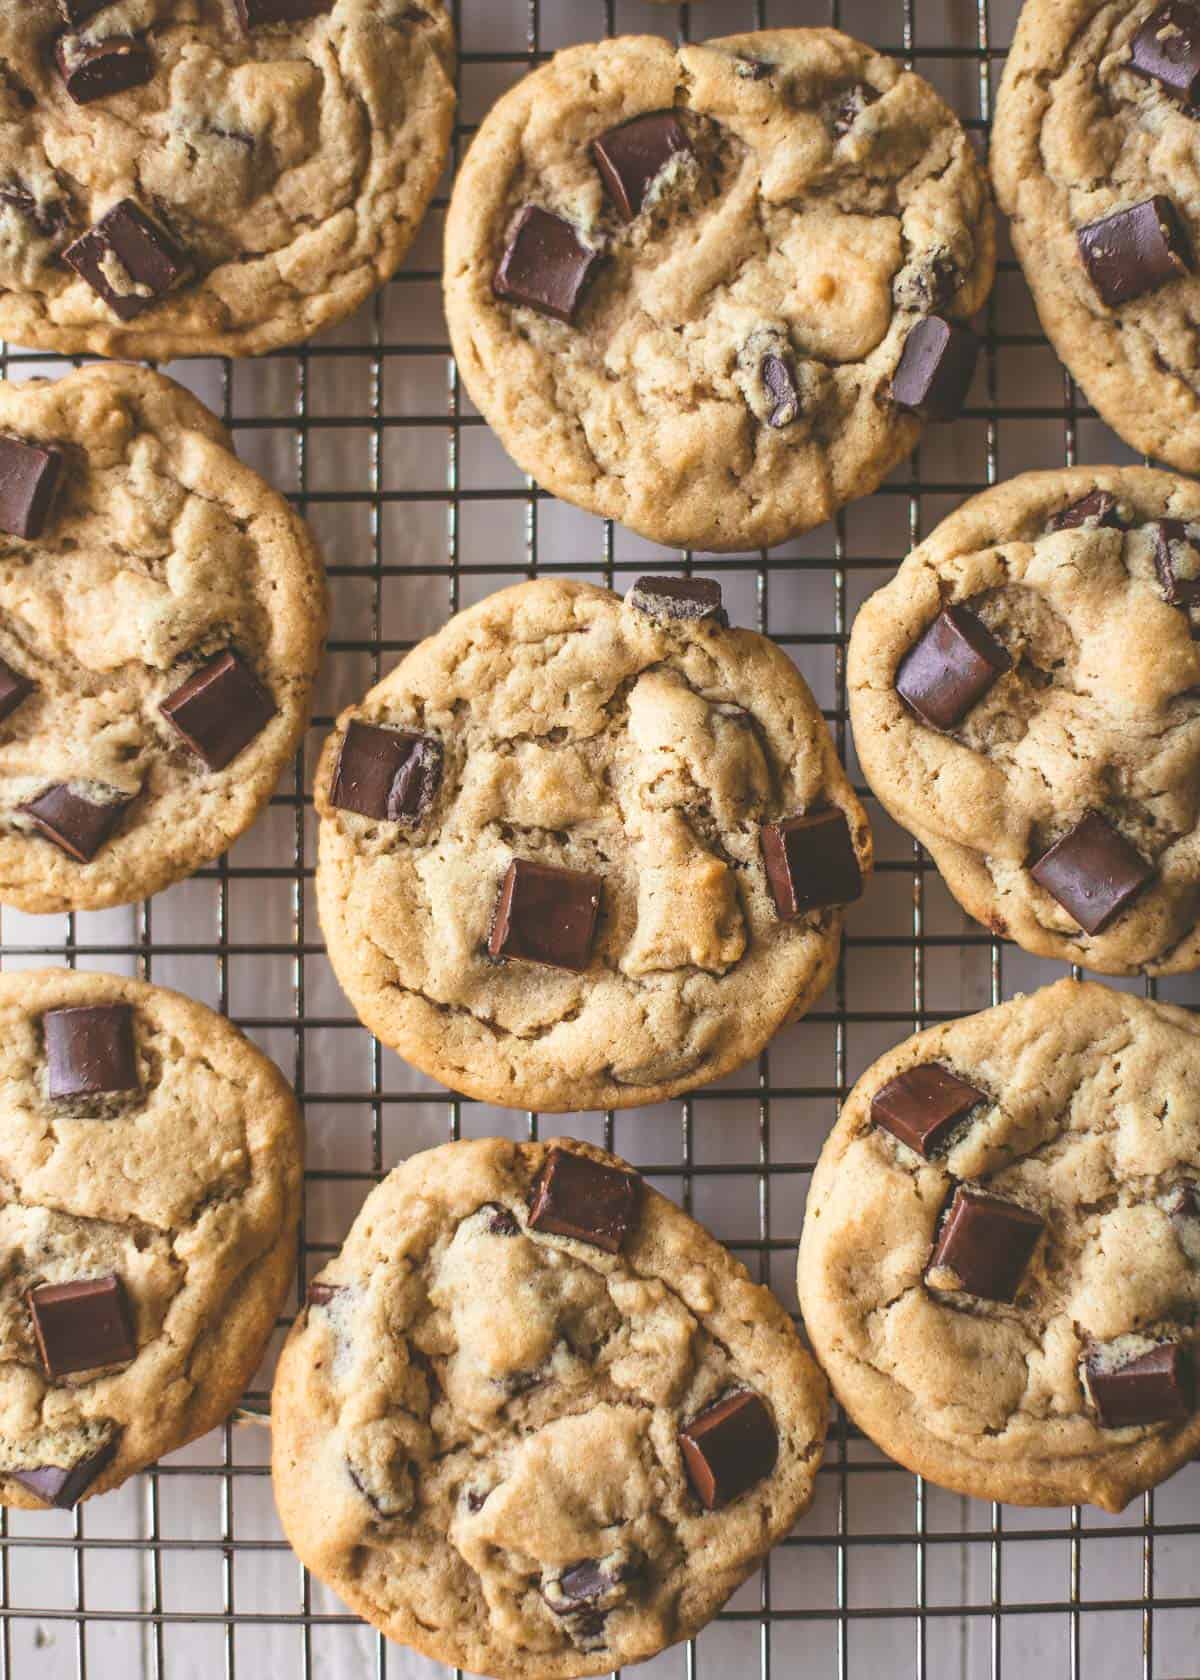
161	616
536	1420
680	282
541	874
1000	1263
219	178
152	1162
1096	158
1025	696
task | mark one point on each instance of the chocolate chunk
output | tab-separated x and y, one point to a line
14	689
780	386
77	824
49	218
987	1243
1093	872
477	1498
811	863
633	155
220	709
923	1105
1177	561
1166	50
82	1325
90	1050
575	1196
62	1486
500	1221
546	265
256	14
951	668
845	110
936	367
752	69
1098	508
127	260
593	1582
545	915
1184	1205
387	774
77	12
728	1448
29	476
1134	251
321	1294
688	598
584	1582
1154	1387
95	69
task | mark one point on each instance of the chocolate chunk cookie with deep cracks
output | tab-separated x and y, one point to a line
536	1421
712	292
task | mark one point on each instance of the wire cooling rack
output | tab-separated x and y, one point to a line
183	1573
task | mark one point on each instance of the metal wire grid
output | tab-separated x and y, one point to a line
888	1575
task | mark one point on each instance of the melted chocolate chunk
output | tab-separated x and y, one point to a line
29	477
687	598
951	668
728	1448
90	1050
95	69
389	774
936	369
220	709
633	155
546	265
923	1105
1134	251
127	260
257	14
80	826
82	1325
1097	509
321	1294
1177	561
1166	50
500	1221
575	1196
545	915
1093	872
64	1486
811	863
14	689
987	1243
845	110
1154	1387
780	386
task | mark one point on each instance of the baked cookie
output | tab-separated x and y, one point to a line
218	177
151	1166
161	616
578	852
1025	696
1000	1264
1096	157
536	1420
710	291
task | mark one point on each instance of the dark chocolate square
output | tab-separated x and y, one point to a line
987	1243
63	1486
811	863
546	915
545	266
220	709
139	249
1166	50
391	775
90	1050
633	155
14	689
951	668
1093	872
923	1105
82	1325
936	367
29	477
574	1196
679	598
728	1448
1098	509
1135	251
1155	1387
96	69
1177	561
80	826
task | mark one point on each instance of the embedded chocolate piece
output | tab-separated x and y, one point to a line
500	1221
1184	1205
987	1243
689	598
79	11
95	69
1154	1387
575	1196
255	14
752	69
936	367
79	825
545	915
1098	508
220	709
90	1050
29	475
477	1498
321	1294
49	219
780	386
951	668
127	260
633	155
1134	251
388	774
810	863
546	265
1093	872
728	1448
14	688
82	1325
923	1105
593	1584
64	1486
846	109
1166	50
1177	561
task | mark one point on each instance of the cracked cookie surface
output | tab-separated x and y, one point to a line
1099	711
574	730
818	203
185	1188
475	1427
1089	1119
160	553
289	165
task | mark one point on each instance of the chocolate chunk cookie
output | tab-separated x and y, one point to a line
578	852
1096	157
536	1420
151	1166
219	178
1000	1264
1025	697
161	615
712	292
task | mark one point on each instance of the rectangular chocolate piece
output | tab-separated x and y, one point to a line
951	668
729	1447
687	598
1135	251
633	155
391	775
63	1486
545	915
1097	509
987	1243
83	1325
14	689
90	1050
811	863
923	1105
127	260
96	69
1166	50
936	367
1155	1387
1177	561
574	1196
29	477
220	709
80	826
546	266
1093	872
257	14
